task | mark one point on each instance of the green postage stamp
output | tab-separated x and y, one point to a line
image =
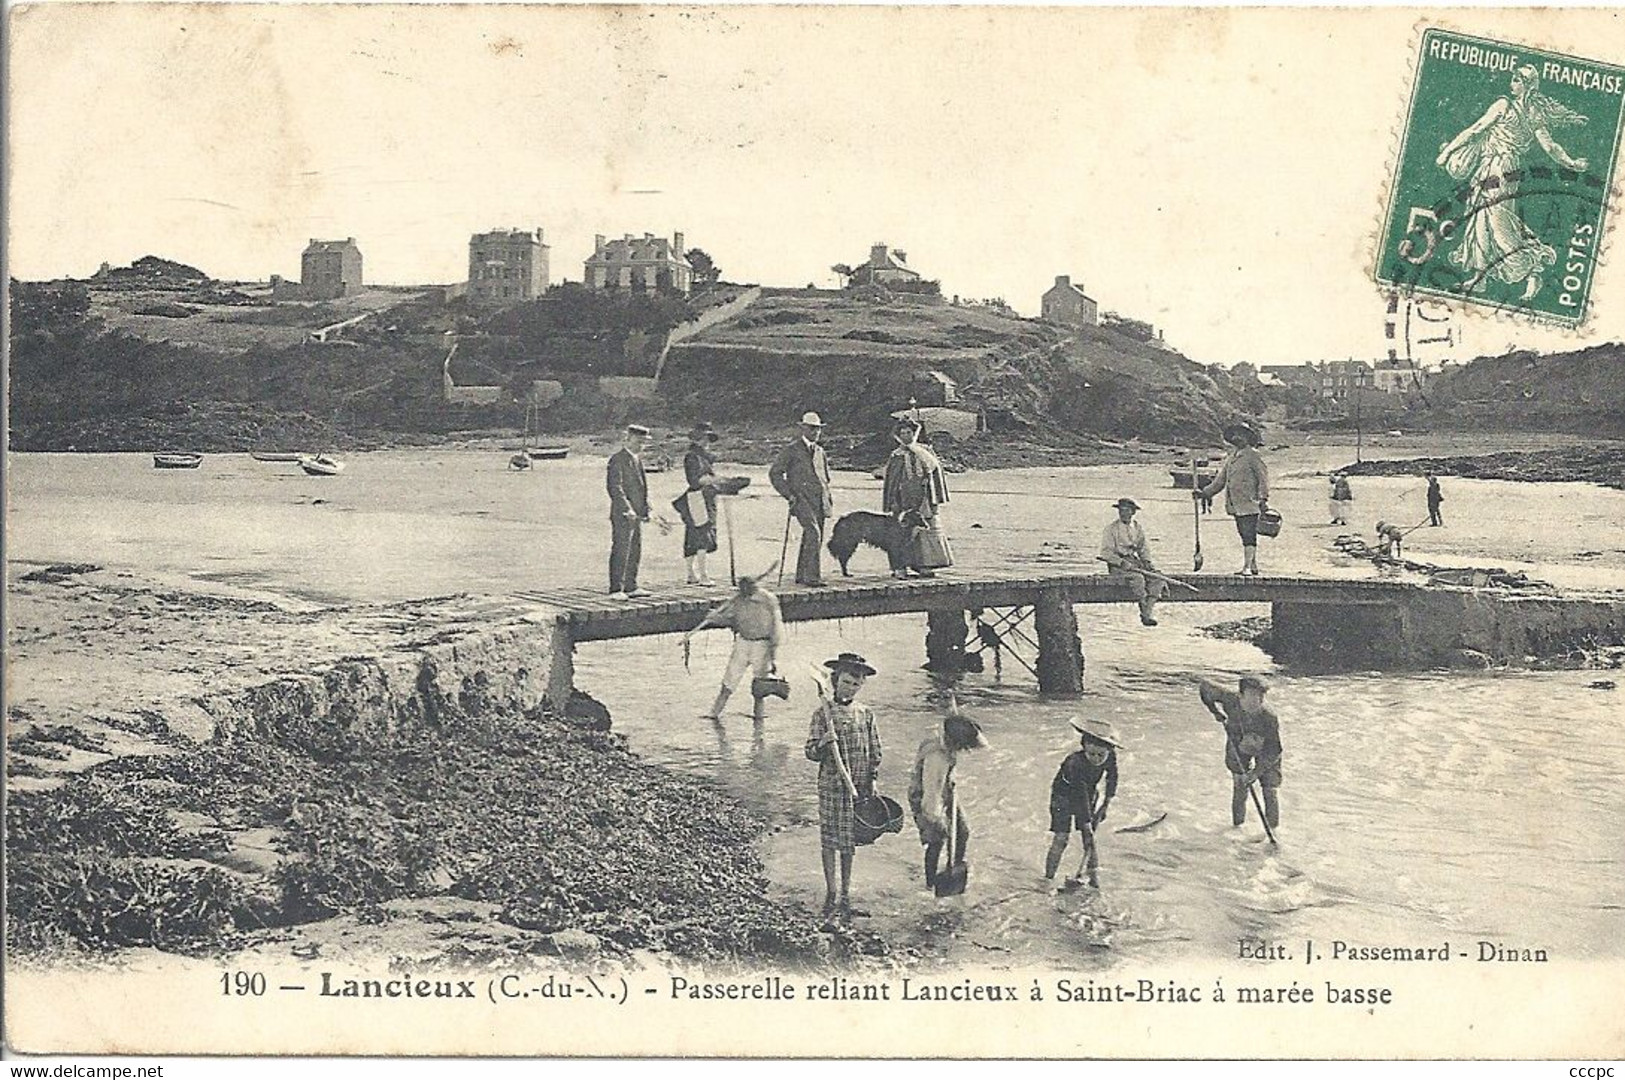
1504	172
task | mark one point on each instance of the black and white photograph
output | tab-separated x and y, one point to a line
814	532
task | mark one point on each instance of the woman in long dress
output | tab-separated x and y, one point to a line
1495	240
700	523
913	492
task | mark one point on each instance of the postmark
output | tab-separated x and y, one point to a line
1498	196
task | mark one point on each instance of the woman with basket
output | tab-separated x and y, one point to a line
1245	481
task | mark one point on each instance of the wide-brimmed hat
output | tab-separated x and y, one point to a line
1098	730
850	661
1129	503
703	430
636	429
812	419
1232	430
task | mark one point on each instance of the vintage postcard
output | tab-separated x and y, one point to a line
810	531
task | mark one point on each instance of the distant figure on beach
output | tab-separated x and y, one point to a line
844	742
1435	501
1126	551
913	490
801	476
932	793
753	615
1391	541
1252	748
1076	801
628	510
700	503
1489	156
1341	496
1245	481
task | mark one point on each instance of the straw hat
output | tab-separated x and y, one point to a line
850	661
812	419
1099	730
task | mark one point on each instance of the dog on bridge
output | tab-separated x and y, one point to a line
882	531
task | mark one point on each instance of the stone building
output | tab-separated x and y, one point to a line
649	264
1397	377
885	267
1341	379
330	268
1068	304
507	265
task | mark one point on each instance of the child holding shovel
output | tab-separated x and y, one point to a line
844	742
931	790
1074	796
1252	748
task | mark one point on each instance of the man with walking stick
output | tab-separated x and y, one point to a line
801	475
1252	749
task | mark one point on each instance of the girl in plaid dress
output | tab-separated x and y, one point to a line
849	728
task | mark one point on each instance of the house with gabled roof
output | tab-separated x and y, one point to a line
1068	304
649	264
330	269
884	267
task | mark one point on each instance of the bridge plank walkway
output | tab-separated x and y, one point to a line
592	615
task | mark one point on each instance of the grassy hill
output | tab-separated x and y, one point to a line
1581	391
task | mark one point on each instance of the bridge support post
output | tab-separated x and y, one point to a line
1060	650
561	666
945	640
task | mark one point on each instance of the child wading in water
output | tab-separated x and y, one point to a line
1252	749
1072	796
931	790
844	742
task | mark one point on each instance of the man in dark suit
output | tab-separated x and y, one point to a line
801	475
628	510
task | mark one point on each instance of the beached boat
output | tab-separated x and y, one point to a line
657	463
547	453
321	465
1183	480
261	455
175	460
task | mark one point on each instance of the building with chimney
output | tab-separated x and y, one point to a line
631	264
507	266
330	269
884	267
1342	379
1068	305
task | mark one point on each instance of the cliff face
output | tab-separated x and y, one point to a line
1581	391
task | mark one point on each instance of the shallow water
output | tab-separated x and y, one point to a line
1416	808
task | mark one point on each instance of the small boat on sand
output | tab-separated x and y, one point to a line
176	460
1182	478
547	453
657	463
261	455
321	465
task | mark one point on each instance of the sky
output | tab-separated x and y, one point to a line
1219	173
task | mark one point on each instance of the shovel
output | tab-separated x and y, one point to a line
951	881
1196	511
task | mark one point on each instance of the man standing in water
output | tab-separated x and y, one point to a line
801	475
1075	800
1252	744
1435	501
1245	481
844	742
758	626
628	510
1126	551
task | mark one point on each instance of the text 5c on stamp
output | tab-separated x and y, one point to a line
1501	185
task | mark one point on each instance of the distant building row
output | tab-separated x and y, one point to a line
1338	380
510	265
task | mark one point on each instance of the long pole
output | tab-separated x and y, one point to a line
1358	430
784	548
728	519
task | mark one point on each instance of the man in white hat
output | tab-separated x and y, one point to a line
1074	801
1125	550
801	475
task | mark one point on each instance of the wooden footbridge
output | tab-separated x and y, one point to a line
1316	621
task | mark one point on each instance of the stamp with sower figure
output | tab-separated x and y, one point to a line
1500	190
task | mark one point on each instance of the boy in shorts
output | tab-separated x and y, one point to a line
1074	801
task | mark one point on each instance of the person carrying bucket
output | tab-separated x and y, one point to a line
844	742
932	794
1252	750
1075	798
1245	481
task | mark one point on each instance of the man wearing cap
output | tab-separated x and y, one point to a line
1252	750
844	742
801	475
628	510
1074	795
1125	549
1245	480
700	518
931	789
